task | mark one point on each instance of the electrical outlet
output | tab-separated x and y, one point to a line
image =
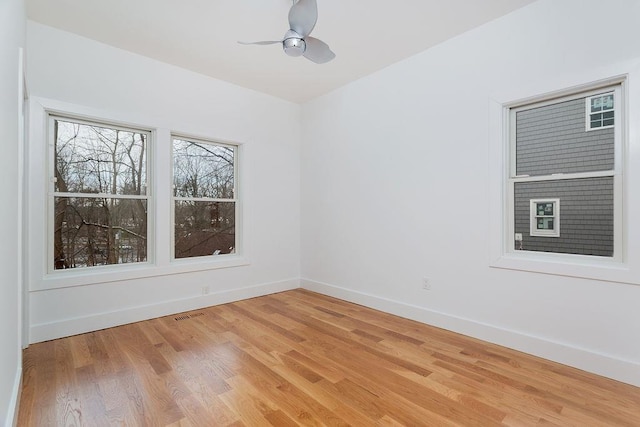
205	290
518	237
426	285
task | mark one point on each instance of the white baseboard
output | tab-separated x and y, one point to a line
67	327
601	364
12	412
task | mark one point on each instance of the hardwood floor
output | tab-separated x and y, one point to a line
301	358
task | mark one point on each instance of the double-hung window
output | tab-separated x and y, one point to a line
204	198
567	152
545	217
600	111
98	195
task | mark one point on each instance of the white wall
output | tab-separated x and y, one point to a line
396	186
12	27
68	72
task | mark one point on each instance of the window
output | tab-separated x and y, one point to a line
554	160
101	206
600	111
544	218
204	198
98	194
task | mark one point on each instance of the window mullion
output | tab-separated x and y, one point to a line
100	195
563	176
203	199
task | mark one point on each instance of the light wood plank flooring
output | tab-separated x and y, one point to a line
301	358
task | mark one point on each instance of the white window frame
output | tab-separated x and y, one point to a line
533	218
236	199
588	113
51	117
616	86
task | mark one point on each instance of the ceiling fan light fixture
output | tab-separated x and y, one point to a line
294	46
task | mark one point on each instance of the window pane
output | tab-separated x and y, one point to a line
545	224
553	139
99	231
94	159
204	228
544	209
586	215
607	122
203	170
596	117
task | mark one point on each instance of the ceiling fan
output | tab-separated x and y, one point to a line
297	42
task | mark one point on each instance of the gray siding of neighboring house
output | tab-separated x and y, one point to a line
553	139
586	215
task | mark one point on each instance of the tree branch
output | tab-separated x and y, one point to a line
114	228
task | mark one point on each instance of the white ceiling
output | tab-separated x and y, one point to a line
202	35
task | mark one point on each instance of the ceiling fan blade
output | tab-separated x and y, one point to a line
262	43
317	51
303	16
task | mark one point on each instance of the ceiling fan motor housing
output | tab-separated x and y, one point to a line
293	44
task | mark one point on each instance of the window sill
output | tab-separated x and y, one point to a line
579	266
91	276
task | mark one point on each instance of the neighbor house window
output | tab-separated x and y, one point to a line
204	198
98	194
600	111
555	161
544	218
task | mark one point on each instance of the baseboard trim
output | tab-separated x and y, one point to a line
14	404
64	328
601	364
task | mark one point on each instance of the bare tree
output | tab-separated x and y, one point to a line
97	221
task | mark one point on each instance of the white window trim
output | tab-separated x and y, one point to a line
533	216
236	200
158	257
501	237
588	113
